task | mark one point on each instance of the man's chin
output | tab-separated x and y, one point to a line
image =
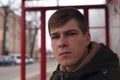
65	64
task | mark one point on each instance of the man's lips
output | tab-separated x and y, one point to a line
64	53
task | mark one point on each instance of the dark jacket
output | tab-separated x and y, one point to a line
103	66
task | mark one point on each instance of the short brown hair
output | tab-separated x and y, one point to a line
63	15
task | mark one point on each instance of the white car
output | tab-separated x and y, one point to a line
30	60
17	59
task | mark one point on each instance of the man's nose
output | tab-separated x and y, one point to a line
63	42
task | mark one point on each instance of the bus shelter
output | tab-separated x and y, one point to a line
87	9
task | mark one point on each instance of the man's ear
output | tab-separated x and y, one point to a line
87	38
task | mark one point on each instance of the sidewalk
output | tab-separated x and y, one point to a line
51	66
37	77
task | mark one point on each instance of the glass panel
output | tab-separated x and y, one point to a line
36	3
115	39
32	31
81	2
33	43
48	41
81	10
97	18
51	63
98	35
39	3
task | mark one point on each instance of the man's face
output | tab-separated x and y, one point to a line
68	43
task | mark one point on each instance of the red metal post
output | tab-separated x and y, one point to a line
107	27
43	42
23	47
86	14
43	46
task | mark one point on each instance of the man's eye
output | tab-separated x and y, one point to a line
71	34
54	37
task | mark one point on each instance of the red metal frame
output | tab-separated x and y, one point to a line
23	43
43	47
107	27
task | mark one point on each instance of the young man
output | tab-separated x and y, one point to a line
79	58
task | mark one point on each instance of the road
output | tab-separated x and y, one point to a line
13	72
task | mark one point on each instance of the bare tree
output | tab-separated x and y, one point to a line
34	24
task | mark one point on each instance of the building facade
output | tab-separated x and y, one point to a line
13	34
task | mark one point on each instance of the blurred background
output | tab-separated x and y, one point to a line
104	27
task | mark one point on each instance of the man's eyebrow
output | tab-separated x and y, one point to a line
67	31
71	30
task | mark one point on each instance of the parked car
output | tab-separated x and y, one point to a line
30	60
17	59
5	60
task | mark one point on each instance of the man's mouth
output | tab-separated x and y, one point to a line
64	53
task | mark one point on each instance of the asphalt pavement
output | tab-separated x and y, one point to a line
32	71
51	66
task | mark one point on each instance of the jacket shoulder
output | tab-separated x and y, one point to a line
111	74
